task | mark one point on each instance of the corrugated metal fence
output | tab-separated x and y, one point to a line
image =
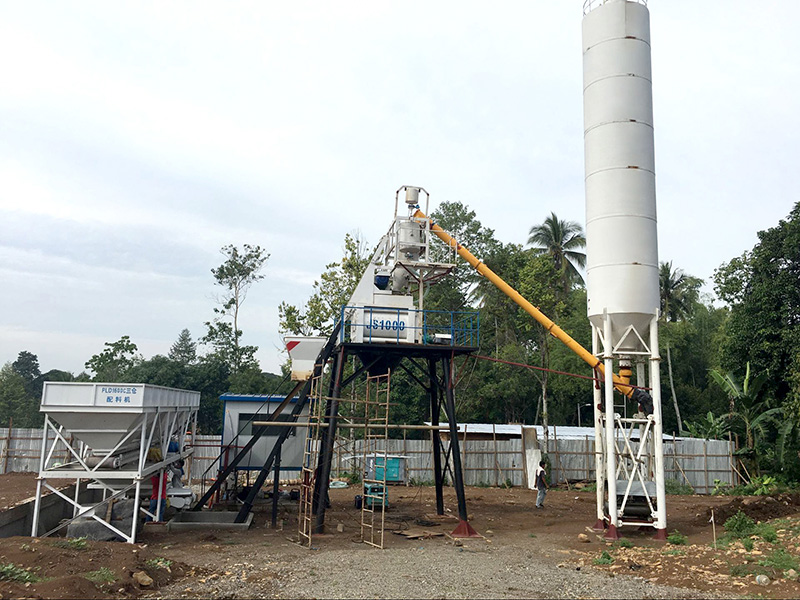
697	463
485	462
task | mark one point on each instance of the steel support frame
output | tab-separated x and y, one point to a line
441	396
614	452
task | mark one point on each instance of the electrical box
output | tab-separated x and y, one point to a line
394	465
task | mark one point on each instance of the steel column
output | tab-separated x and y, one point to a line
436	439
275	490
324	471
331	404
464	529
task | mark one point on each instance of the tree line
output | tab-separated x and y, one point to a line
730	365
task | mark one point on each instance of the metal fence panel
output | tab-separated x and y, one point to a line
485	462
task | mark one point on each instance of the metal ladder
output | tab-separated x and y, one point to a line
374	499
305	521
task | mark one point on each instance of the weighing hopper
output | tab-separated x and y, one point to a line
117	425
102	414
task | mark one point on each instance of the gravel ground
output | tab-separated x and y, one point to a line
433	568
525	554
475	570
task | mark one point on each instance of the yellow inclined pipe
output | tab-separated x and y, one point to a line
619	383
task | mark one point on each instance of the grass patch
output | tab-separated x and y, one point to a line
229	543
72	543
604	559
740	570
102	575
11	572
676	538
779	560
743	528
421	482
625	543
674	552
159	563
674	487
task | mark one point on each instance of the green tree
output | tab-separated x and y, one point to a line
331	291
241	269
541	282
27	366
112	364
463	225
761	288
693	346
561	241
13	398
184	350
209	375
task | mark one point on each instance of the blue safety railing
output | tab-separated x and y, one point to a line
373	324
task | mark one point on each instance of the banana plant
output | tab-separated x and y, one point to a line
747	407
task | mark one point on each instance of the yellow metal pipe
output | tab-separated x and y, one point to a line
619	383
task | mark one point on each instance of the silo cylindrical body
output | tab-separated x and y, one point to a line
621	236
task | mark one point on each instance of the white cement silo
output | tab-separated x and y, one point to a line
621	238
622	253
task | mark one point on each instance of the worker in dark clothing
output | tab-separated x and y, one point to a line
541	484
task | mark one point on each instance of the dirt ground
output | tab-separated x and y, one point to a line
16	488
524	552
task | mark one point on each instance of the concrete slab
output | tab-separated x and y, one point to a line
189	520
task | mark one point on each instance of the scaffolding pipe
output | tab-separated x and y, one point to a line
349	425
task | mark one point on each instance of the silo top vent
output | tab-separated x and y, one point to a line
590	5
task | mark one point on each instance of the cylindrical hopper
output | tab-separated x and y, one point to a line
102	414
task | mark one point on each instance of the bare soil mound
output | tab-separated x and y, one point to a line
64	568
758	508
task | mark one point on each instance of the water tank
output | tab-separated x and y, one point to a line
621	236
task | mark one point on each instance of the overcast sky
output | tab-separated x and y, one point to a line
137	138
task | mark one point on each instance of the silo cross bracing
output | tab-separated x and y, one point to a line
621	237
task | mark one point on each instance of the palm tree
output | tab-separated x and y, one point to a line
678	292
561	240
